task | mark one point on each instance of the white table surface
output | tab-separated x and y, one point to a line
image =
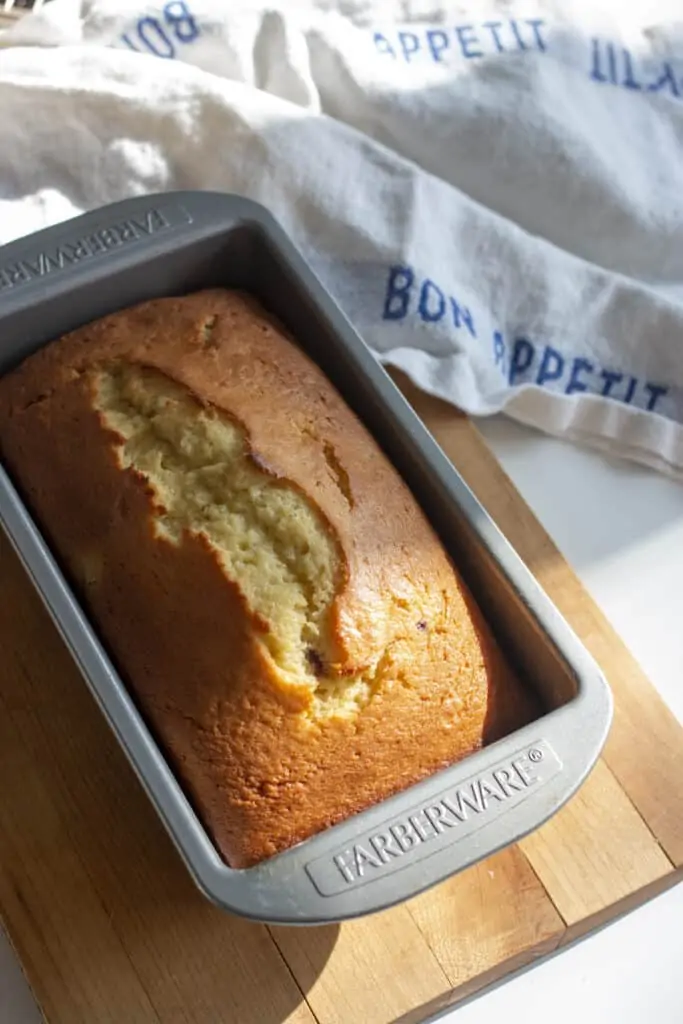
621	528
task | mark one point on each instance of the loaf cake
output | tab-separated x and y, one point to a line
289	624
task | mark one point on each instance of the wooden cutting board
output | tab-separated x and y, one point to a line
110	929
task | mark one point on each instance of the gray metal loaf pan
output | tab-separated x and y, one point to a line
58	279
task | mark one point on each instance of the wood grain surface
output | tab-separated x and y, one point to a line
109	927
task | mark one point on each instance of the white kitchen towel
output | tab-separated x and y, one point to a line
493	191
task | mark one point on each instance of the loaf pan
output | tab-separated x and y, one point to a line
168	244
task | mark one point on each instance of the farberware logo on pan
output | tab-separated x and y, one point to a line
95	243
428	827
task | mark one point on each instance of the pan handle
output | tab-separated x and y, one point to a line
96	243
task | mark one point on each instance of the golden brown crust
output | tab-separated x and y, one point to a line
261	775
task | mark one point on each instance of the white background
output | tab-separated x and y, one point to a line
621	528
